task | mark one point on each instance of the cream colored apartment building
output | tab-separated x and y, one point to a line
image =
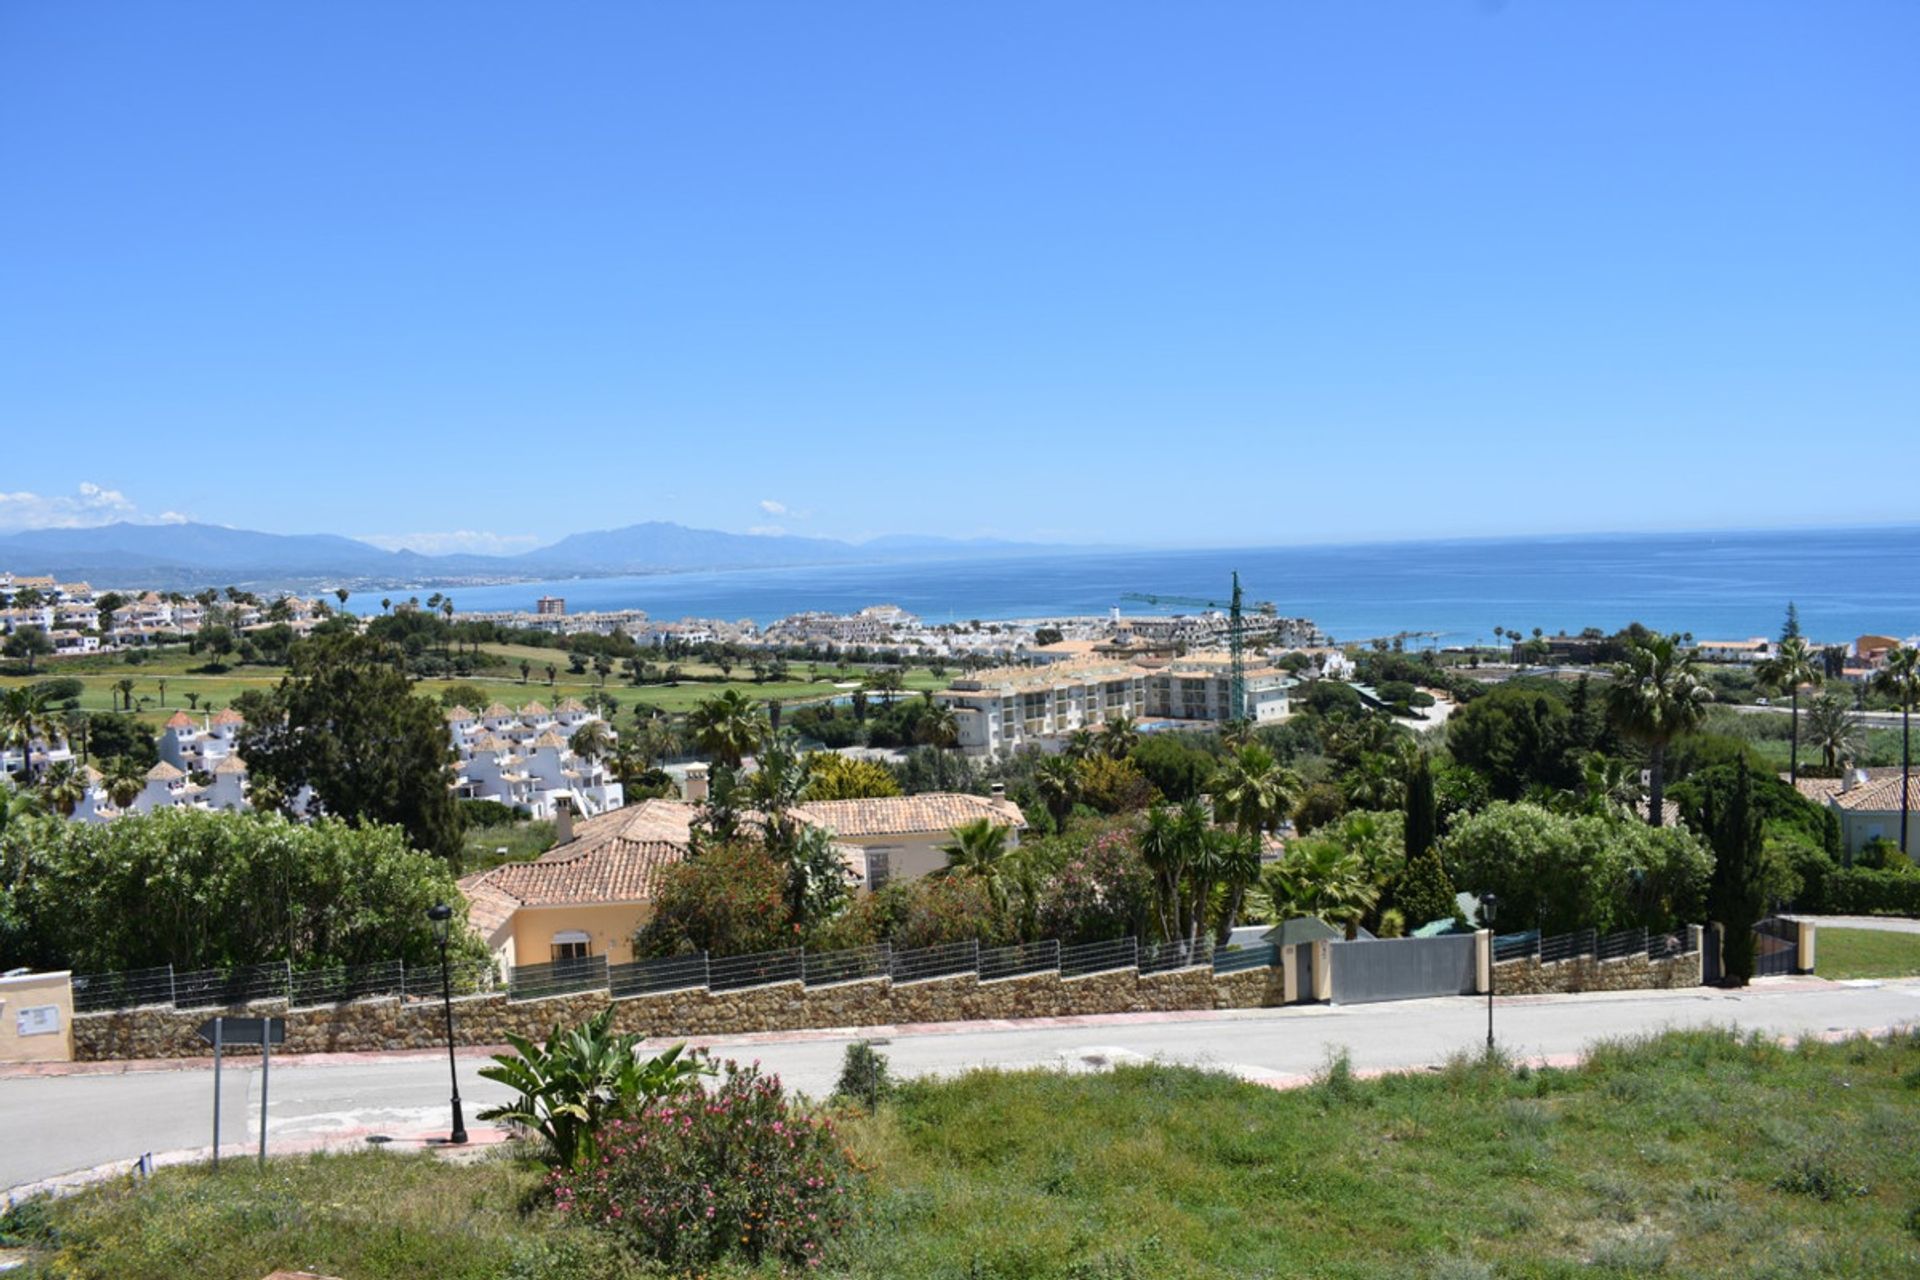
1000	711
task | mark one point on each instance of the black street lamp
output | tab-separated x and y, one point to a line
441	914
1487	904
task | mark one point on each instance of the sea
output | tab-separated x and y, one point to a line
1843	582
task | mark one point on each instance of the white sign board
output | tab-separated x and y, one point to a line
38	1020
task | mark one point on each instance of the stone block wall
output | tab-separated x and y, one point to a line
1527	976
388	1023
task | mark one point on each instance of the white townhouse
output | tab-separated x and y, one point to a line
522	759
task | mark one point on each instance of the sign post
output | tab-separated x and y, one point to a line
222	1031
216	1088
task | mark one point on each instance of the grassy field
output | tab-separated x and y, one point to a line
1866	953
178	669
1695	1154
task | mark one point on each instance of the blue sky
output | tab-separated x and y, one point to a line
481	275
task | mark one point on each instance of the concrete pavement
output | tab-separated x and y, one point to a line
57	1124
1885	924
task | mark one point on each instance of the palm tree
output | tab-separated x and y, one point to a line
1320	878
125	780
24	721
1119	736
591	740
1253	792
1834	728
553	673
1057	781
162	682
728	727
526	669
63	787
1794	664
124	687
1081	744
940	729
980	850
1656	696
386	604
1899	679
1164	848
1239	870
1610	786
341	594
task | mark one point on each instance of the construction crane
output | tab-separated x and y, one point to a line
1236	638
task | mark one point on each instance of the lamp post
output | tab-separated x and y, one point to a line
1487	904
441	914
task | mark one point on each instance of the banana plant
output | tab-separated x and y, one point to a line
581	1079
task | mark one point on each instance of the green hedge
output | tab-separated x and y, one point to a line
1861	891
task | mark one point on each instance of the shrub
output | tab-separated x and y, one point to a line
1101	890
581	1080
1859	891
735	1170
730	900
489	813
864	1077
1114	786
831	776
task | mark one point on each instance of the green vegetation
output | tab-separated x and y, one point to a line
1692	1154
136	893
1866	953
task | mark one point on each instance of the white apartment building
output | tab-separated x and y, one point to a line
520	758
1000	711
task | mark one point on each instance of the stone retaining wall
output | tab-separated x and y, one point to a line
387	1023
1528	977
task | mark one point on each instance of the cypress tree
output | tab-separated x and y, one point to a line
1736	899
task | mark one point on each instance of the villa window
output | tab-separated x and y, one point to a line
571	945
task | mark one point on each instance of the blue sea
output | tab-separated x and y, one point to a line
1845	582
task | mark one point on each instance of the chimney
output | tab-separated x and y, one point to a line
998	790
695	788
562	822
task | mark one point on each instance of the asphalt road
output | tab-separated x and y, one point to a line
60	1124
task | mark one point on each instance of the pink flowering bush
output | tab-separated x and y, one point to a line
734	1169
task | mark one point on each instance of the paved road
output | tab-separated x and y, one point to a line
56	1125
1885	924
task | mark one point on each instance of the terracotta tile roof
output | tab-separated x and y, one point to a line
179	720
534	709
1878	795
487	907
550	739
570	704
232	764
229	716
459	713
611	871
497	711
163	772
1820	789
646	822
937	811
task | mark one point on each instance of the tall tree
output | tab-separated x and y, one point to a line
347	723
63	786
1899	679
1736	897
1794	664
979	849
1057	782
1834	728
1423	820
1790	630
1656	696
29	642
1118	736
727	726
24	722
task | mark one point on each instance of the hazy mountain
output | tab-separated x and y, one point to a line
656	546
179	555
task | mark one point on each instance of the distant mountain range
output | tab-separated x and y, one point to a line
173	556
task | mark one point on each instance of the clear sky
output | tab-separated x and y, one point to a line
478	275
